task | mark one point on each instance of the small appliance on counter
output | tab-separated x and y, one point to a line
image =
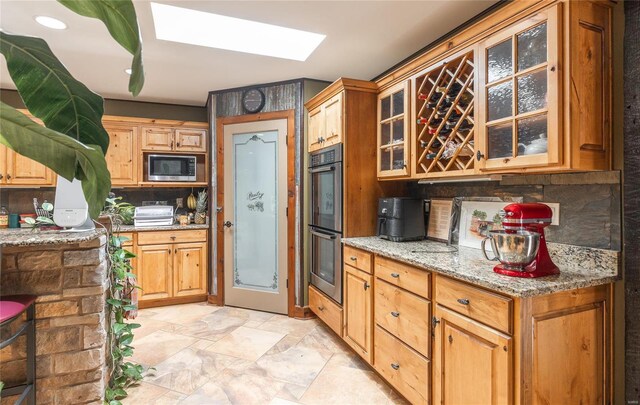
153	215
521	247
401	219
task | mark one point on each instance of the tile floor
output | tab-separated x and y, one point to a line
205	354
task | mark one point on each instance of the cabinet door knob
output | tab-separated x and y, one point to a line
395	314
228	224
395	366
321	308
366	285
479	156
1	177
395	275
463	301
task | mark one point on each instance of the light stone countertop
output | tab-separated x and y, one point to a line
579	266
30	237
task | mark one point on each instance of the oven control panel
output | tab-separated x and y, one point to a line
326	156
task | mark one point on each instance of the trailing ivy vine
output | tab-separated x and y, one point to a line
123	373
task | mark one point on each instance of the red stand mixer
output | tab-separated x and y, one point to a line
521	247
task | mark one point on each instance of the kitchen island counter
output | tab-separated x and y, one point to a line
31	237
580	267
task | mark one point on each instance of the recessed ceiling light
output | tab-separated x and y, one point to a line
127	71
194	27
50	22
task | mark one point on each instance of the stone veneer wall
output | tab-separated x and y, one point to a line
70	280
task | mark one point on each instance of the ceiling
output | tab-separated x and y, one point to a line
364	38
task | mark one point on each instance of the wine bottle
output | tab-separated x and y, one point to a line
454	89
422	121
435	123
464	99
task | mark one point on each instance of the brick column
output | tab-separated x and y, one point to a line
71	281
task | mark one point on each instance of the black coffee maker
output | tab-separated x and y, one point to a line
401	219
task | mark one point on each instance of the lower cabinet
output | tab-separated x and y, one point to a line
469	345
472	362
358	311
172	270
154	271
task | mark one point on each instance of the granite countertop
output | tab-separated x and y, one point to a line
579	267
175	227
30	237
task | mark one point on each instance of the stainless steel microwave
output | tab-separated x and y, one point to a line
171	168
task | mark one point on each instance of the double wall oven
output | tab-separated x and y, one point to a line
325	227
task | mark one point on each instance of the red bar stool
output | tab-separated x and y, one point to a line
11	308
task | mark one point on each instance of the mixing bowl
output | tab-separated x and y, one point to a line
514	249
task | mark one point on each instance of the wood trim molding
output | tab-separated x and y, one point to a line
505	16
154	121
289	115
162	302
338	86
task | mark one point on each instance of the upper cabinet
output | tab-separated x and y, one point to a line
444	127
17	170
174	139
527	89
520	95
393	131
122	155
325	123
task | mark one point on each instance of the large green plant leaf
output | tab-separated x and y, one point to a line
64	155
51	93
119	16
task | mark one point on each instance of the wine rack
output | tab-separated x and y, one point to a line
445	124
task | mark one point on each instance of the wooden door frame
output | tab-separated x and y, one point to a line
289	115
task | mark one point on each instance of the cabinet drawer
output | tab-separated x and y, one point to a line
152	238
491	309
404	315
402	367
358	258
328	311
410	278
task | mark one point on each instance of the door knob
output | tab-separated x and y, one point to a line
228	224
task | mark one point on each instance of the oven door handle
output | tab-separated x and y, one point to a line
322	235
322	169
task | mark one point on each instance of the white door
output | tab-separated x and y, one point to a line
255	203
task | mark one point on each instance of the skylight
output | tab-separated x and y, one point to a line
194	27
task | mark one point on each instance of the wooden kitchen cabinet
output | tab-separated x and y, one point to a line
122	156
157	139
471	362
171	266
326	124
17	170
358	311
155	271
538	94
314	130
520	94
169	139
189	263
394	145
191	140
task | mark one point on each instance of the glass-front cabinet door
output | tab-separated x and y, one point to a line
393	131
519	95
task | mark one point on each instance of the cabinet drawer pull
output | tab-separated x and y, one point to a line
395	366
395	275
395	314
321	308
463	301
8	177
353	258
